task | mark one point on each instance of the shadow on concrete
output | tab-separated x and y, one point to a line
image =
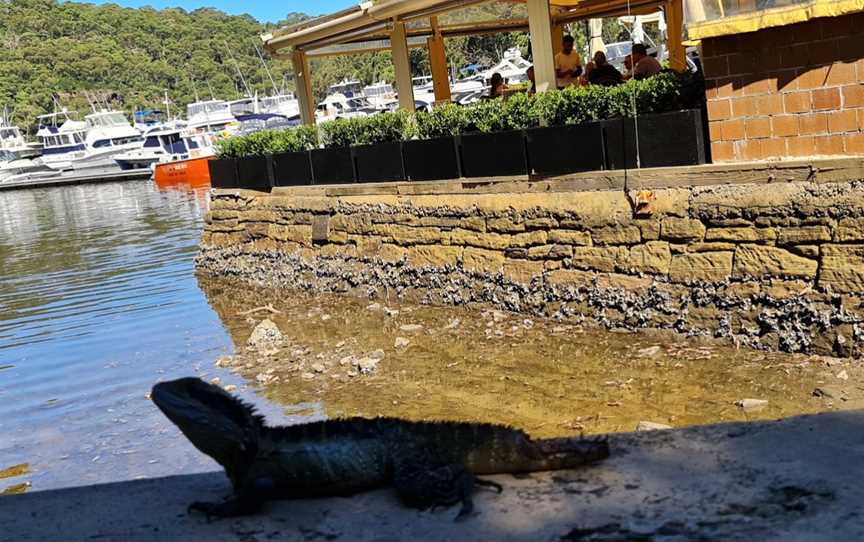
793	479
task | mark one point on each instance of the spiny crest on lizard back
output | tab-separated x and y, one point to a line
213	397
371	427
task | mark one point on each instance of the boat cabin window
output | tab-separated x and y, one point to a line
107	120
78	137
9	133
151	141
102	143
126	140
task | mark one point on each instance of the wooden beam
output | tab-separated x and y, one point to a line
438	62
674	35
402	65
303	84
557	37
540	26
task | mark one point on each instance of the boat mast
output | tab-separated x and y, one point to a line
239	72
266	68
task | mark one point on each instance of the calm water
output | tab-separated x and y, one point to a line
97	302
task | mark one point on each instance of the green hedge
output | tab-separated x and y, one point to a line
301	138
667	91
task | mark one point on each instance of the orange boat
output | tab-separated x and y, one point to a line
192	172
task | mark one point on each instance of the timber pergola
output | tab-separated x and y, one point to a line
398	25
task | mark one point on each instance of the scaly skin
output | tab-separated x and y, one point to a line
428	463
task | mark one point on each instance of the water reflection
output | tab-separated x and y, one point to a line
97	302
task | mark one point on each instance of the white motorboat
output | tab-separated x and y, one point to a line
13	141
14	168
161	144
72	144
381	96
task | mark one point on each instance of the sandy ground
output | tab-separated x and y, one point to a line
795	479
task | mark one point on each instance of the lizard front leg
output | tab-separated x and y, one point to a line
247	502
429	487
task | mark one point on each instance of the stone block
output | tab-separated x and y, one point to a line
785	289
570	237
605	259
258	215
849	230
550	252
842	268
321	229
682	230
433	256
358	224
614	281
765	261
296	234
650	230
803	235
528	239
492	241
541	223
478	260
504	225
570	277
342	251
617	235
222	214
701	267
407	235
516	253
709	247
522	271
653	258
391	253
741	235
367	247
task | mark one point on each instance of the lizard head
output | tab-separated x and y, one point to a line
563	453
217	423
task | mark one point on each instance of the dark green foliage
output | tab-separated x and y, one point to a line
302	138
380	128
668	91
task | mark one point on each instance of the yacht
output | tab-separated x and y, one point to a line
161	144
62	137
381	96
68	143
17	168
12	141
281	104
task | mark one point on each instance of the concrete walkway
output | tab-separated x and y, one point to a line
796	479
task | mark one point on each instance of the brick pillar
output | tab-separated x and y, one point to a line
790	91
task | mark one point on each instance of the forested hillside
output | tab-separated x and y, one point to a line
68	52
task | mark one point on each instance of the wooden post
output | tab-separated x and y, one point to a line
557	38
438	62
674	33
540	26
303	84
402	65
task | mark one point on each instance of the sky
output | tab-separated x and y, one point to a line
263	10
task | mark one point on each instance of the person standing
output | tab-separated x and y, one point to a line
568	64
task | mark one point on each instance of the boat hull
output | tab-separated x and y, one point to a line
193	172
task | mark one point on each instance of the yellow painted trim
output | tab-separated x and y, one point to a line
751	22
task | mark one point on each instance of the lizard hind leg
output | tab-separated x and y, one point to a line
430	487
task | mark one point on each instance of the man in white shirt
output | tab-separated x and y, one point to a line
568	64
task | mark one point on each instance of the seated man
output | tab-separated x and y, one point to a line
603	73
644	66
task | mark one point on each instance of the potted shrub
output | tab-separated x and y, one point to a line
291	163
223	173
491	148
569	141
434	155
334	163
377	150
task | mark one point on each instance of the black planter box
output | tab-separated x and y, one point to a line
254	174
379	163
565	149
431	159
223	173
332	166
676	138
292	169
497	154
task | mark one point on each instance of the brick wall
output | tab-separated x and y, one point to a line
791	91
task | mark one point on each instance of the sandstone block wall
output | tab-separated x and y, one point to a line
795	90
774	266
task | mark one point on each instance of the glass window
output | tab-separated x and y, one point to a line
102	143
